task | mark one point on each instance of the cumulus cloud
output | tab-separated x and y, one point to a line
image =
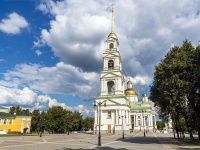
13	24
145	29
60	79
27	97
77	33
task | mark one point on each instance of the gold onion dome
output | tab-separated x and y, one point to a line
144	95
130	92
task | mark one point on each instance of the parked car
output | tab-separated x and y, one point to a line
3	132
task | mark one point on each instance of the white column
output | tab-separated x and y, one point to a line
118	116
155	121
115	122
95	114
136	119
128	117
141	120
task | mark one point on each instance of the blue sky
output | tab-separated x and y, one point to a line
51	51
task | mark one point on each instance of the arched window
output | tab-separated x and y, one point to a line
111	46
110	64
111	88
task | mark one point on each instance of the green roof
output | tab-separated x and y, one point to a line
2	115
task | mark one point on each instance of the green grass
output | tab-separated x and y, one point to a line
8	135
195	142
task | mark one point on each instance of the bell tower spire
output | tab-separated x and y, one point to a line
112	23
112	33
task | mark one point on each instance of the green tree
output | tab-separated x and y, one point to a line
56	119
35	121
88	123
16	109
76	123
160	125
175	86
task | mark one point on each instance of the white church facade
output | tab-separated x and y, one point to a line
117	108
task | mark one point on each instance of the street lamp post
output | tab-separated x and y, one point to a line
122	116
98	104
143	110
41	126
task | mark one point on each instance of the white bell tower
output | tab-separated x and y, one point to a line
112	79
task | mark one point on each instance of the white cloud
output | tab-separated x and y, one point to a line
82	109
146	30
1	59
60	79
13	24
79	29
27	97
38	52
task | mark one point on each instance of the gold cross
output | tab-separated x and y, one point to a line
112	5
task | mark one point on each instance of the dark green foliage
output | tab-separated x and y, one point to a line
35	121
55	120
88	123
160	125
176	87
16	109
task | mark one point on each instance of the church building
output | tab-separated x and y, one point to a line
117	108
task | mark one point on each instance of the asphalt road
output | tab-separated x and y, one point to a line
78	141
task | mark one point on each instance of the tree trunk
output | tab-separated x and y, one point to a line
183	134
191	135
177	132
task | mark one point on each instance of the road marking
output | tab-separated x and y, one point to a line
136	134
110	142
44	140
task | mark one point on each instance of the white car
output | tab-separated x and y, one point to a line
2	132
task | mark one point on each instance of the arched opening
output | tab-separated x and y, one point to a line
111	88
110	64
111	46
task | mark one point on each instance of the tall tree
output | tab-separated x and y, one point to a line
176	84
35	121
56	119
16	109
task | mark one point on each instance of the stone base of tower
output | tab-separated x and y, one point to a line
118	129
142	128
112	129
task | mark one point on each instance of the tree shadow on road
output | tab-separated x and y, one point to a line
96	148
159	140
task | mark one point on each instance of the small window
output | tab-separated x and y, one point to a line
10	121
111	46
109	114
5	121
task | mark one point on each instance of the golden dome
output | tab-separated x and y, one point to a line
130	92
144	95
